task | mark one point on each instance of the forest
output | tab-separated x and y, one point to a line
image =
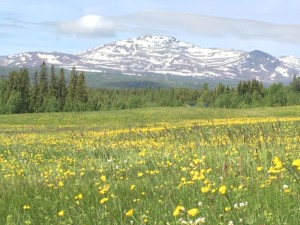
49	91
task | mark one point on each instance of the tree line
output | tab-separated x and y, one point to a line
48	91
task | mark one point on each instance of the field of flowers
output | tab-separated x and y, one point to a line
69	169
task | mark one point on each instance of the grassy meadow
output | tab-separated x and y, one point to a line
151	166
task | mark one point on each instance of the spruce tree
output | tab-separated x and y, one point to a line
34	92
81	89
53	84
14	103
24	89
43	80
12	83
17	92
72	84
70	104
295	84
43	88
62	89
3	90
205	95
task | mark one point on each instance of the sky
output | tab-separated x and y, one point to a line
72	26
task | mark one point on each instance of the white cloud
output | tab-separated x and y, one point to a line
87	26
3	34
210	26
153	22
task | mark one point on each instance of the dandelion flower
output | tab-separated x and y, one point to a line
26	207
259	168
205	189
103	200
227	209
222	190
104	189
296	163
178	210
140	174
61	213
103	178
129	213
193	212
286	188
277	163
79	196
60	183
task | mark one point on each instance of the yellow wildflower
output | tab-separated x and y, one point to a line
193	212
222	190
61	213
103	178
129	213
277	163
205	189
178	210
286	188
104	189
259	168
140	174
79	196
103	200
273	170
26	207
227	209
296	163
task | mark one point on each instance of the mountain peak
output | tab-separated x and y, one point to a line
261	54
158	44
160	38
158	54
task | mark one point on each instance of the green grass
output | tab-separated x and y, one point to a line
139	117
94	167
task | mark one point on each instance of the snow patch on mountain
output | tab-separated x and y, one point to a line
49	58
283	71
166	55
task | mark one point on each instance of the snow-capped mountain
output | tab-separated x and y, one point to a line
33	59
167	55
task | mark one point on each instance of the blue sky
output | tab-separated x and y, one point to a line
72	26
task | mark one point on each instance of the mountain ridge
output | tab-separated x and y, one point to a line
164	55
